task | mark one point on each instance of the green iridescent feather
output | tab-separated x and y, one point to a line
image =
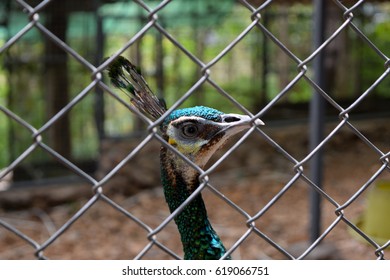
199	239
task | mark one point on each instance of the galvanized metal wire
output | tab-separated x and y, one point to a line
297	165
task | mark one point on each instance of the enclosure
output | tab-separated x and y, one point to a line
79	166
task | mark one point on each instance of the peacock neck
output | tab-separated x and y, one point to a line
199	239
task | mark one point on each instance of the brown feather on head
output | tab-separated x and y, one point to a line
127	77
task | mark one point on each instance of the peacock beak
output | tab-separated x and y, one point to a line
234	123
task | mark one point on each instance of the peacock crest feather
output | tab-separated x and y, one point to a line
197	133
127	77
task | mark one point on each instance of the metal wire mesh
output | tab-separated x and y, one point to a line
152	233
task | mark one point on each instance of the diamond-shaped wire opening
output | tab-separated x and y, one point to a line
18	230
127	231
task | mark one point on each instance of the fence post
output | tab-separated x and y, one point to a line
317	119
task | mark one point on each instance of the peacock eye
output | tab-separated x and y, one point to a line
189	130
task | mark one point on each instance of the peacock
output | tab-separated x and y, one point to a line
196	132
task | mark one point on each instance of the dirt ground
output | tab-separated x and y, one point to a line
103	232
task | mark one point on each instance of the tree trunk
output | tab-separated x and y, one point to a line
56	80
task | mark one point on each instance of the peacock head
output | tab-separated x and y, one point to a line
198	132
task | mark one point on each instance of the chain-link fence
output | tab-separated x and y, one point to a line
298	165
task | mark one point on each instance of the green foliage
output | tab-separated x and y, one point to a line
4	126
382	41
243	89
83	128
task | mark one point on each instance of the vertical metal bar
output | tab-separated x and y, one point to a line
317	119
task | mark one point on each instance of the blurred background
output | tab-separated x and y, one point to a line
38	79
